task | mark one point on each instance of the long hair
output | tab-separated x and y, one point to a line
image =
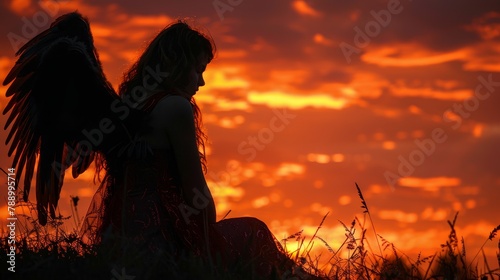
166	64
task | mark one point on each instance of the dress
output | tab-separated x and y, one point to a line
140	201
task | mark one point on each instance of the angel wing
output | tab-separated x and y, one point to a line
62	109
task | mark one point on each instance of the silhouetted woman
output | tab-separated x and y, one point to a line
153	202
163	201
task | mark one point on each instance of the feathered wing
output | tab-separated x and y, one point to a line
61	109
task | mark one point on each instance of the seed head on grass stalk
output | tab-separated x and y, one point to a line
365	206
298	237
309	247
330	249
492	235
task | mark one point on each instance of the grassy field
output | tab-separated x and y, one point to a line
52	253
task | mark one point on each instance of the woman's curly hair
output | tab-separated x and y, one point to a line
171	56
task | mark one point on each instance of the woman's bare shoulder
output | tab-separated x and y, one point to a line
170	118
173	106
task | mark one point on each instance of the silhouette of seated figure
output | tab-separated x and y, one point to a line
153	200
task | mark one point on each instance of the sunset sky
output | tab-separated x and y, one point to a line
307	97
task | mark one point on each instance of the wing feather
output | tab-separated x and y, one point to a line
57	91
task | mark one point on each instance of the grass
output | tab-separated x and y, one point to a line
52	253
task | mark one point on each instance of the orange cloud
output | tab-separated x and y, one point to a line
362	84
432	214
157	21
260	202
226	54
429	184
282	99
301	7
21	7
486	26
322	40
398	215
483	56
85	9
409	55
288	169
345	200
224	78
224	194
427	92
287	76
318	158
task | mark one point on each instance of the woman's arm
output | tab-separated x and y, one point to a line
177	120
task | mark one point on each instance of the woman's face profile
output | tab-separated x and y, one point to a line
195	76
